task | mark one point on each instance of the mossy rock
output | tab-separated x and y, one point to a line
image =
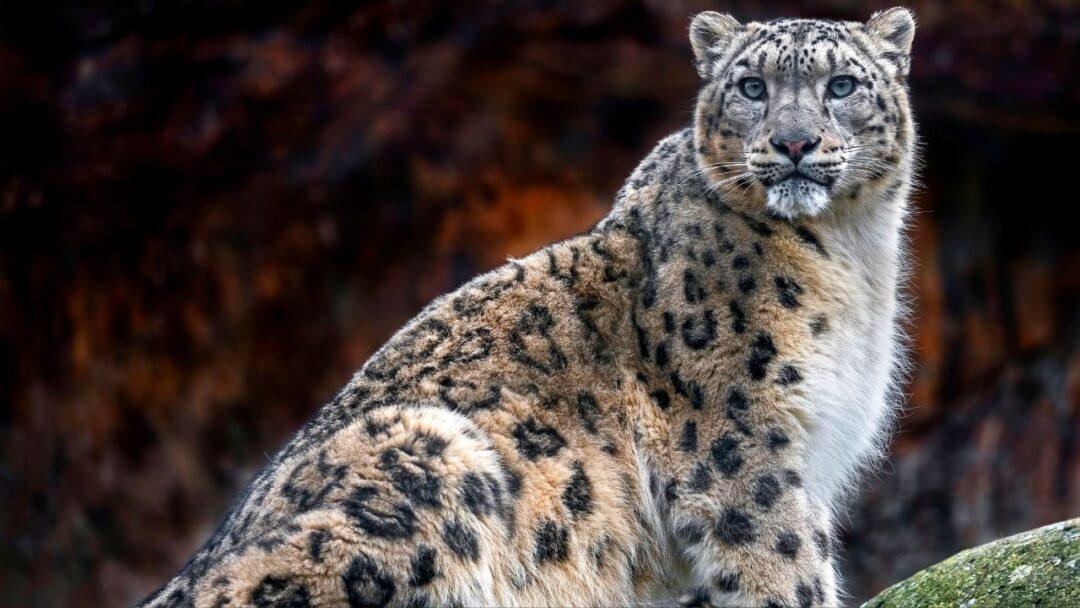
1036	568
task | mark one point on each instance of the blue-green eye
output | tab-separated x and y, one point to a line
841	86
753	88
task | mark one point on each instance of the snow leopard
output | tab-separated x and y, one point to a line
668	408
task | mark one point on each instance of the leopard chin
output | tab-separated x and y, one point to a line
797	197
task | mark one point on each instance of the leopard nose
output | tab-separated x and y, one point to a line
795	149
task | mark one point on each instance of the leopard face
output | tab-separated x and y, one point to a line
799	115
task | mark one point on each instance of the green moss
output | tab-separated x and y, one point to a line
1036	568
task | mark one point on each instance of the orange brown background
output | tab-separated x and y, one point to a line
211	213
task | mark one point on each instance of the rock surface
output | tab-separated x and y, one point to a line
1036	568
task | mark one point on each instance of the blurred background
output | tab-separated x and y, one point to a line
211	213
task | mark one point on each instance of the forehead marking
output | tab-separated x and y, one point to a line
738	53
788	33
739	59
858	44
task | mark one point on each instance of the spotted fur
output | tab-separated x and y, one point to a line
669	406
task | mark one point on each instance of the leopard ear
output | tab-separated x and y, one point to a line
710	33
895	26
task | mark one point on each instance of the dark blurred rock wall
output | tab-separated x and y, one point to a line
212	212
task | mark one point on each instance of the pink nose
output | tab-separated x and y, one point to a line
794	149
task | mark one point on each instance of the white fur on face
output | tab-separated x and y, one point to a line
797	198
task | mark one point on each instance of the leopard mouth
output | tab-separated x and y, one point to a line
797	195
797	176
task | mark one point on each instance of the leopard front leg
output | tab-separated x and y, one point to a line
746	526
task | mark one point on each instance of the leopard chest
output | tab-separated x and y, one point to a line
847	392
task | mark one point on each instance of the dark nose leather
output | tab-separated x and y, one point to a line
795	149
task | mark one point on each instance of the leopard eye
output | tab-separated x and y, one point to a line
752	88
841	86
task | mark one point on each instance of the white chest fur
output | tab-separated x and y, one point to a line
849	404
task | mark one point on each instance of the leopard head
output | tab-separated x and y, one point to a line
800	115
